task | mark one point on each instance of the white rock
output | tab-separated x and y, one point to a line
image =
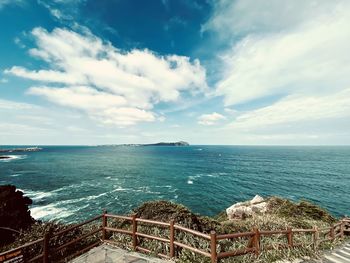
246	209
257	199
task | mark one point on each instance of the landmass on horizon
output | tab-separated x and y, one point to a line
179	143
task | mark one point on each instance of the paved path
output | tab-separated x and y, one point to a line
109	254
339	255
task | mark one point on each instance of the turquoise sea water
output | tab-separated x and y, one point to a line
72	183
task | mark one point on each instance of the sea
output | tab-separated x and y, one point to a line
73	183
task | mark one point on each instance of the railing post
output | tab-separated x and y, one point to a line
290	237
342	226
213	253
316	237
256	241
172	238
332	234
104	225
134	230
46	248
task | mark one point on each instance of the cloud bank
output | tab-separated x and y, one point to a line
298	66
108	84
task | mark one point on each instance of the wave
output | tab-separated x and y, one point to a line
50	212
13	157
36	195
193	178
15	175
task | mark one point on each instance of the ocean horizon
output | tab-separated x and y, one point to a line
72	183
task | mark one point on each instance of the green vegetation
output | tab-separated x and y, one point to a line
281	213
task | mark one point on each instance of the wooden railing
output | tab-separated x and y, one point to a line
253	237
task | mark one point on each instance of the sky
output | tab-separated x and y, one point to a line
232	72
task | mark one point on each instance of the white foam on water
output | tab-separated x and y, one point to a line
162	186
49	212
13	157
36	195
189	182
193	178
121	189
15	175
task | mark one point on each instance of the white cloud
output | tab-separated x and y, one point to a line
255	16
11	105
294	110
80	97
297	68
311	58
118	87
4	3
210	119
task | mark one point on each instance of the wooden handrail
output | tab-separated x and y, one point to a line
152	237
196	250
303	230
273	232
152	222
77	226
119	217
193	232
237	252
77	239
235	235
23	246
332	232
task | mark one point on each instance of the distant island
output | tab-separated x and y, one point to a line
180	143
28	149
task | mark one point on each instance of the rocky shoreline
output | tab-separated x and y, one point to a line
270	214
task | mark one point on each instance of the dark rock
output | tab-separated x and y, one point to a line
14	212
4	157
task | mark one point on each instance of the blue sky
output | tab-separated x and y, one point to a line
256	72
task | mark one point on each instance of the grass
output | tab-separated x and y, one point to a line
281	214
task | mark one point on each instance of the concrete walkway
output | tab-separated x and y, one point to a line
339	255
109	254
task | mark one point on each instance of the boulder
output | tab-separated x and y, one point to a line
14	212
242	210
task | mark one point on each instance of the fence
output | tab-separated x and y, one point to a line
254	237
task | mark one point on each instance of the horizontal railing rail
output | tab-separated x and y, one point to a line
253	237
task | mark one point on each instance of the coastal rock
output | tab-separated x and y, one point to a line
242	210
14	212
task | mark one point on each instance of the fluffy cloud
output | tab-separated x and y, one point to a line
310	58
210	119
298	67
111	85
